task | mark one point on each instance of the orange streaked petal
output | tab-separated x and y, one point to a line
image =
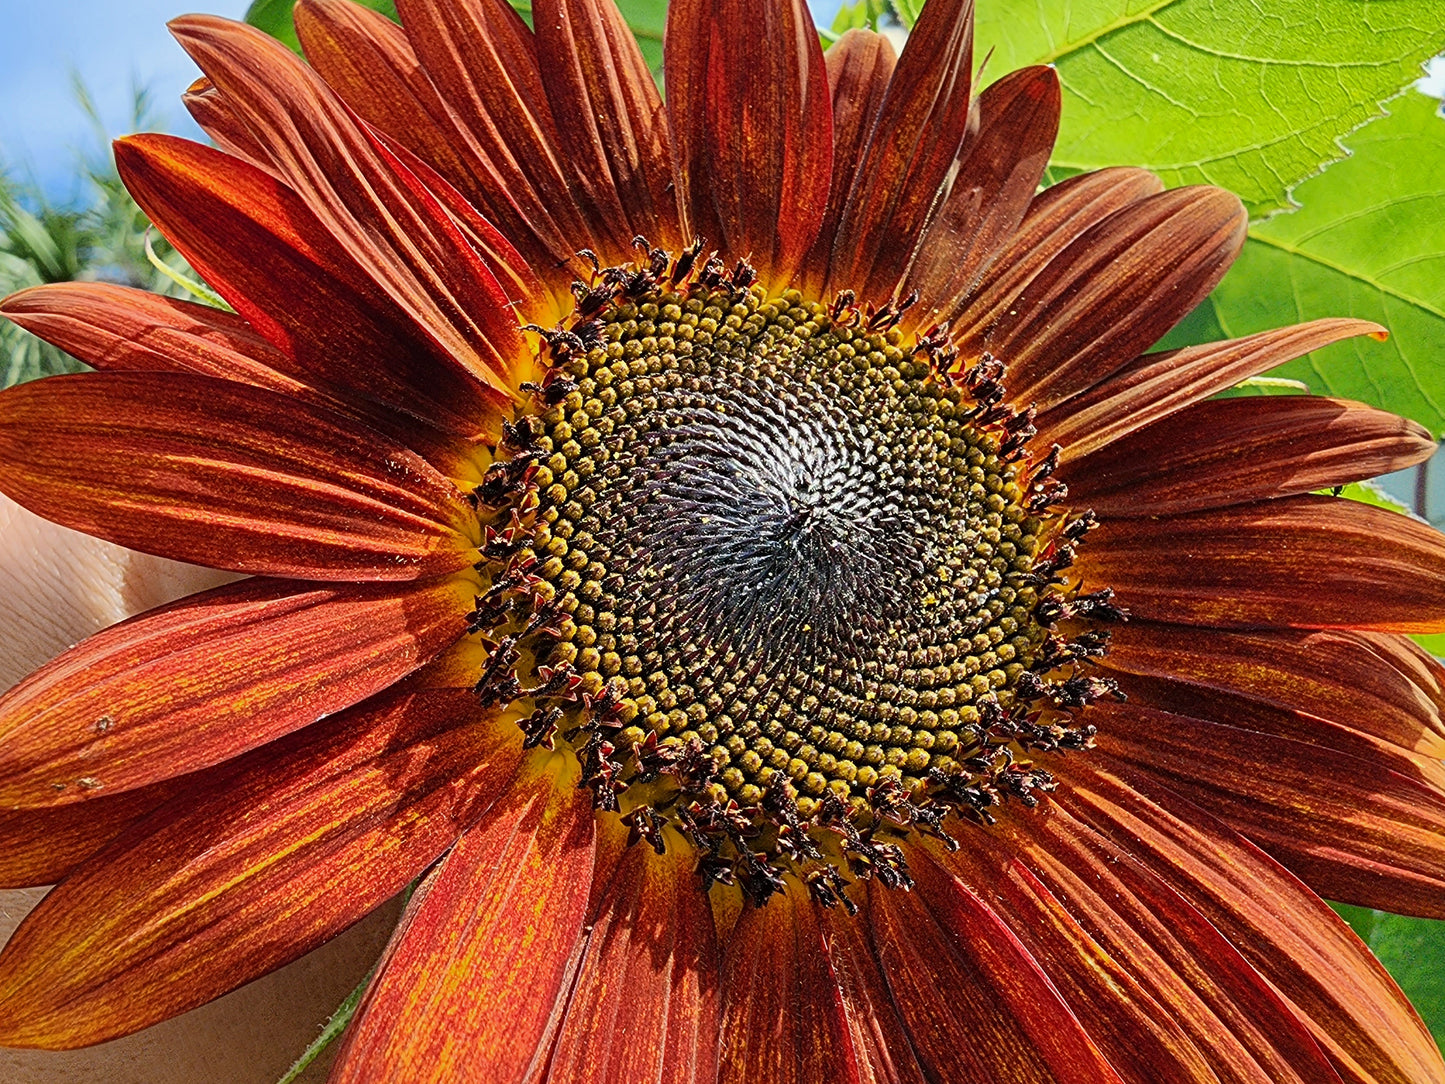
209	108
1231	1013
881	1049
610	119
1155	386
975	1003
256	242
482	60
1296	562
998	173
1057	216
1352	1007
1351	828
1232	451
904	169
206	678
472	984
265	862
751	123
229	475
40	846
1138	1034
1113	292
121	328
1371	683
645	1002
367	60
783	1019
396	231
859	65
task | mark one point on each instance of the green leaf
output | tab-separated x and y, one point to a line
1369	241
863	15
647	18
1413	951
274	17
907	12
1248	94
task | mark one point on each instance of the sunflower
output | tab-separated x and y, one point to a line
736	559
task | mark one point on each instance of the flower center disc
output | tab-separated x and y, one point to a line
790	572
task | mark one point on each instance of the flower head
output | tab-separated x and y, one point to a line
739	556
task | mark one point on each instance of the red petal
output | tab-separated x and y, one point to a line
228	475
120	328
1230	1012
1137	1033
471	987
1297	562
1232	451
1156	385
1370	683
1352	1007
905	168
783	1018
998	173
362	196
367	60
117	327
255	241
976	1004
1113	292
209	108
645	1003
1349	827
751	123
860	65
483	62
265	862
1055	218
610	119
199	681
40	846
881	1049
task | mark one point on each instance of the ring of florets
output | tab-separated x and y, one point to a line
787	581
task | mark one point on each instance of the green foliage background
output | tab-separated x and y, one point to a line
1302	107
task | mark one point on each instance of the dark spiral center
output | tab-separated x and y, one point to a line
780	537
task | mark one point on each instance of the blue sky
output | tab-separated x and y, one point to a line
110	43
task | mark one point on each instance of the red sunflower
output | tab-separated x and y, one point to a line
737	558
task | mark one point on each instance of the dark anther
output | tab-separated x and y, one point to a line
1098	606
757	876
713	272
1018	431
646	823
498	683
522	435
1078	691
591	257
601	773
540	728
714	869
504	478
683	264
559	684
829	888
888	316
744	275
